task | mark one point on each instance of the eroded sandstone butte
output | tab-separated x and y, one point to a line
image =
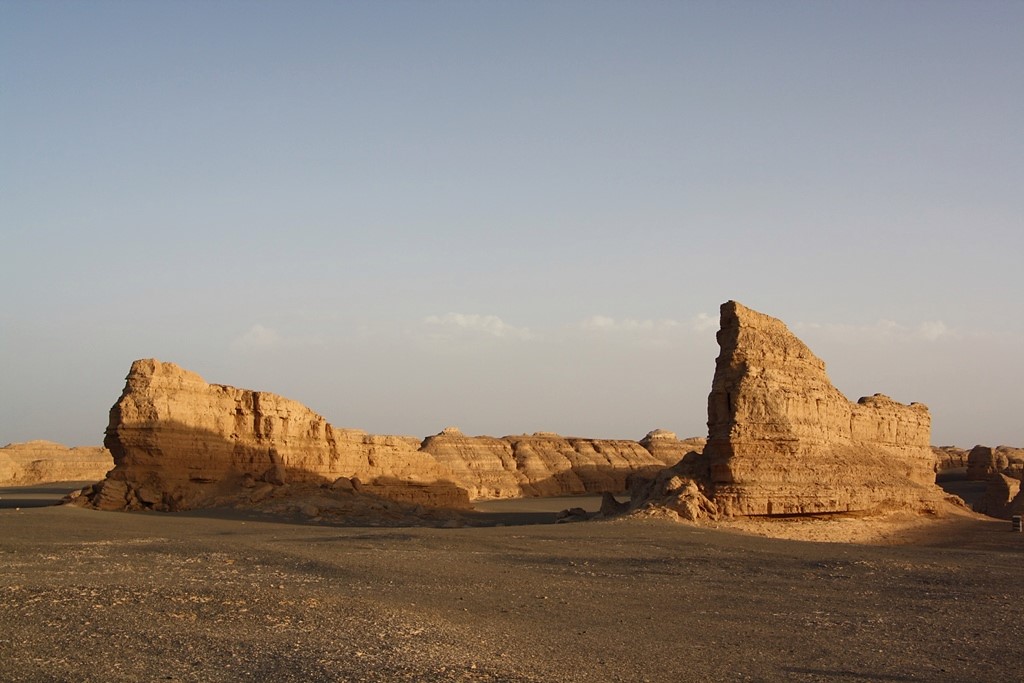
179	442
37	462
782	440
540	464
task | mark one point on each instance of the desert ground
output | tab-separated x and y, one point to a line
225	596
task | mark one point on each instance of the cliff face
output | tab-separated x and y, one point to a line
37	462
783	440
179	442
555	465
542	464
664	446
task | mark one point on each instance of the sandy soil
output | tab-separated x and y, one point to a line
96	596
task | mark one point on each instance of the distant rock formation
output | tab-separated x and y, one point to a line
180	443
984	461
664	446
1002	467
949	457
541	464
783	441
38	462
1000	497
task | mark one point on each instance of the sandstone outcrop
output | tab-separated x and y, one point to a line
37	462
179	442
949	457
985	461
664	446
999	499
782	440
484	465
554	465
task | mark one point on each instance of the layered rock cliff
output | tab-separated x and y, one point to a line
985	461
949	457
37	462
179	442
541	464
664	446
782	440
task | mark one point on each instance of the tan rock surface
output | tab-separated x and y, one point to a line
949	457
783	440
669	449
179	443
542	464
37	462
1000	497
484	465
985	461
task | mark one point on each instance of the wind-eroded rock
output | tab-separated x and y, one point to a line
949	457
984	461
782	440
664	446
180	443
1001	497
37	462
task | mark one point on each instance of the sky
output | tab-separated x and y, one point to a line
509	216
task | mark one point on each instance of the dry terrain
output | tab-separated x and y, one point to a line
211	596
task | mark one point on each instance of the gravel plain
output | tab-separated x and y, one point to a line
226	596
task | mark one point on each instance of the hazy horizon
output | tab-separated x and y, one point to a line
509	217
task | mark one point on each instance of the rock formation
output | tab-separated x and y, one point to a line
949	457
1002	468
985	461
999	499
37	462
179	442
664	446
542	464
783	441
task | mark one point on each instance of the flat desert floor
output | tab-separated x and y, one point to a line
102	596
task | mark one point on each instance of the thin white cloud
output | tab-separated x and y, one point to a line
702	322
262	338
452	325
647	332
880	331
602	323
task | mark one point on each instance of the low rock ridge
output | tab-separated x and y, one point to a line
1003	468
39	462
782	440
179	443
541	464
949	457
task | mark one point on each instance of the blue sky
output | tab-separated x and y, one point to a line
510	217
